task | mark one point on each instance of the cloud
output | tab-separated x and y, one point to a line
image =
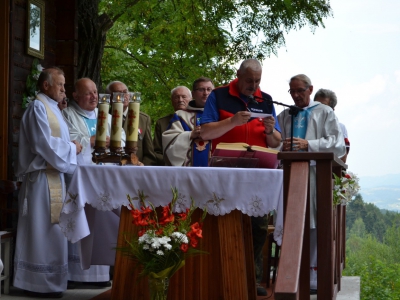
397	75
362	93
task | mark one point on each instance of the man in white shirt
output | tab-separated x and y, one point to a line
81	117
315	129
329	98
45	154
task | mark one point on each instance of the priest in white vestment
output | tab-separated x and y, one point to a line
329	98
45	154
182	141
81	117
316	129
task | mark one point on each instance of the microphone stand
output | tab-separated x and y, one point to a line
293	112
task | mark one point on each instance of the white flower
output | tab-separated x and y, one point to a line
146	247
167	246
345	188
180	237
155	243
164	240
39	68
159	252
144	238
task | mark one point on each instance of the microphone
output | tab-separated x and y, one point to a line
252	99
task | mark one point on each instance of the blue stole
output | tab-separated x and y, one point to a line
200	149
301	122
91	125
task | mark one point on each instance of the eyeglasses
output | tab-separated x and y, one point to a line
298	91
202	90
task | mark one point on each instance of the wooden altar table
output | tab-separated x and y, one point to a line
231	196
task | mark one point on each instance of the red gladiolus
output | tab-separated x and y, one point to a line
193	242
167	216
160	231
182	216
184	247
347	176
196	229
137	216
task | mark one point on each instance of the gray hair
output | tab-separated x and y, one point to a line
251	63
303	78
181	86
325	93
108	91
47	75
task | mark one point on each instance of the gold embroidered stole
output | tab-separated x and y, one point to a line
52	174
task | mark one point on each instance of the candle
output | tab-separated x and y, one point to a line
102	116
133	121
116	125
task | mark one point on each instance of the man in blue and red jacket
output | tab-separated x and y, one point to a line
228	118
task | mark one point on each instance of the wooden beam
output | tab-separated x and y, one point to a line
287	284
4	75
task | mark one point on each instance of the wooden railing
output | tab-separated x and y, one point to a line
293	280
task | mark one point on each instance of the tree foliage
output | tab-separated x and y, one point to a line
155	45
373	249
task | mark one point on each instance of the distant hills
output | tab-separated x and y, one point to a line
383	191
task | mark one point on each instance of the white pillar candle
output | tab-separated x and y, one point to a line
102	122
133	122
116	125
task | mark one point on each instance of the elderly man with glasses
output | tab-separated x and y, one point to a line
145	152
315	129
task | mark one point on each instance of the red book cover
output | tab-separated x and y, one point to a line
267	157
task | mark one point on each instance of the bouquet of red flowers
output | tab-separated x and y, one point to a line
164	240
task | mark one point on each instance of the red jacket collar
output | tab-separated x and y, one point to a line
233	90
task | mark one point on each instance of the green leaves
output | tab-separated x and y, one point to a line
373	249
156	45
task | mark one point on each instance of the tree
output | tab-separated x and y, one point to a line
392	239
355	210
358	229
155	45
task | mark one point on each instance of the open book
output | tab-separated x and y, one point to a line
267	157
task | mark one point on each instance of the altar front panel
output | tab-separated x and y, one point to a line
229	195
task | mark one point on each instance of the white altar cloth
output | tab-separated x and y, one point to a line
254	192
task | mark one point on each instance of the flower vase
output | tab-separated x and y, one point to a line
158	288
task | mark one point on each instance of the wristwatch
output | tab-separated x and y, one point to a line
273	130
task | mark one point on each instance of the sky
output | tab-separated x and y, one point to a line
356	55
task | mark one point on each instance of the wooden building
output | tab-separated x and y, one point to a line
59	47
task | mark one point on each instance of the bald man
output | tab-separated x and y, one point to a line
81	117
227	117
